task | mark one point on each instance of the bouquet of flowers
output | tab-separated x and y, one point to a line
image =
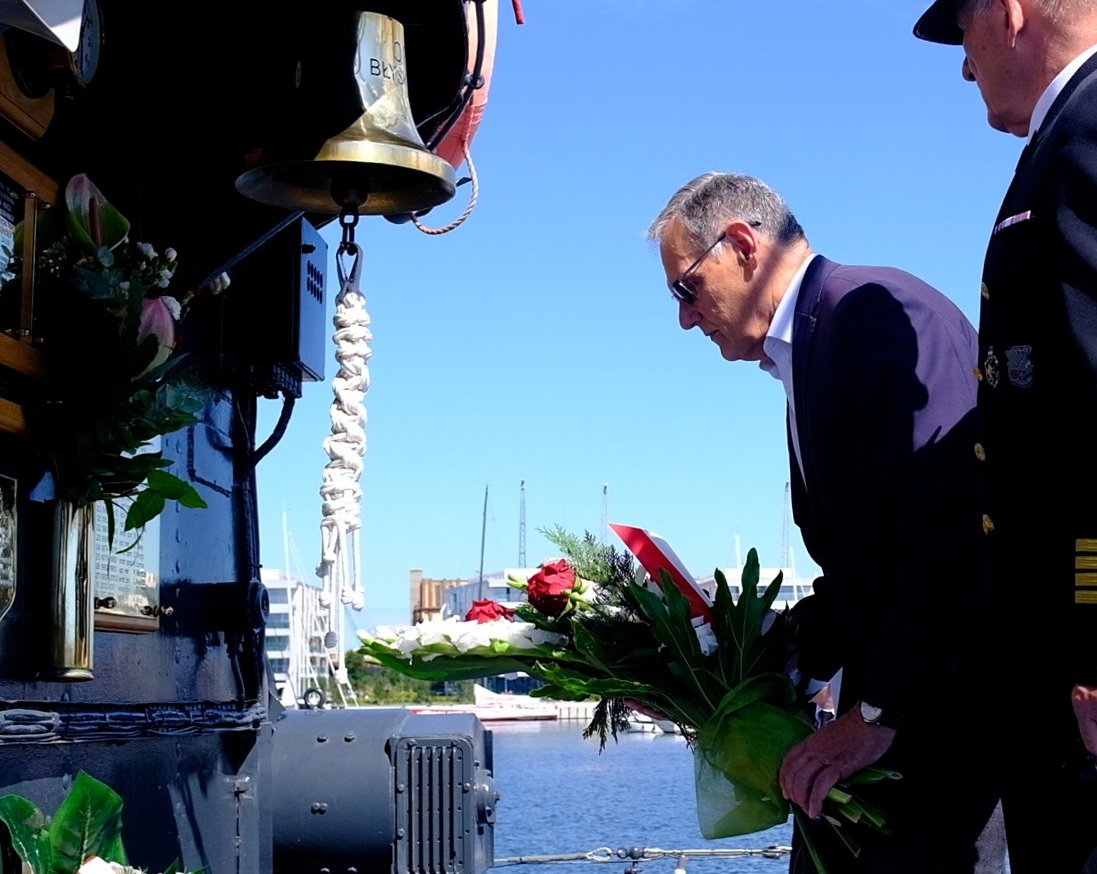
114	381
595	626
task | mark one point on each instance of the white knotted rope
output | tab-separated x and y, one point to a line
341	492
460	220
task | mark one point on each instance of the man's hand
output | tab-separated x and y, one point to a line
1084	700
836	751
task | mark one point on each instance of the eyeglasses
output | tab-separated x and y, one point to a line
678	288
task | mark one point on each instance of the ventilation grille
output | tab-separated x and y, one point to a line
435	806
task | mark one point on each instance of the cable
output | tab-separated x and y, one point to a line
278	433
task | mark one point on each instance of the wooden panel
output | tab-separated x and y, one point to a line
22	172
21	357
11	418
32	115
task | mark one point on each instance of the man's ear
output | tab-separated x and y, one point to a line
1012	18
743	238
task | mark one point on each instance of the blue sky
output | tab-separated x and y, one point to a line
537	341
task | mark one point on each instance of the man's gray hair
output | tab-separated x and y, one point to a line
705	205
1058	12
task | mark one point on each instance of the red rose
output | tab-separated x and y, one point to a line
488	611
548	589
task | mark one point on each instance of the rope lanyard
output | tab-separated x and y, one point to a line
341	493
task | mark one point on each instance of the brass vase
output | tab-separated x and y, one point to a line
72	601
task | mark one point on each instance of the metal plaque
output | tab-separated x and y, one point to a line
11	211
127	576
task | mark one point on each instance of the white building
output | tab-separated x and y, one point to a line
494	586
793	588
458	598
294	635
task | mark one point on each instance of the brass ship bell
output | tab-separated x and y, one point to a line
377	166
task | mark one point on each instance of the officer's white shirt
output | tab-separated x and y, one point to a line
1039	113
778	349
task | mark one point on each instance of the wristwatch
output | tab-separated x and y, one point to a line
871	715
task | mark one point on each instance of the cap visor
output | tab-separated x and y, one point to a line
938	24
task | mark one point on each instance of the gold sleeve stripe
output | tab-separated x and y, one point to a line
1085	562
1085	597
1085	581
1085	544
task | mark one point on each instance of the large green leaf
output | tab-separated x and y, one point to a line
88	823
669	615
448	664
29	834
738	624
175	489
145	507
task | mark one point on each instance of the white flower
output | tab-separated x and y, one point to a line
165	277
461	636
170	254
146	250
383	632
219	283
124	285
172	303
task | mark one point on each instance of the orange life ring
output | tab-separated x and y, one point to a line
452	146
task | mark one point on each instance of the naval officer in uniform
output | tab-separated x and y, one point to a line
1035	63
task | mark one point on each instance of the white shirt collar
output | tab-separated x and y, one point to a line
778	343
778	350
1040	111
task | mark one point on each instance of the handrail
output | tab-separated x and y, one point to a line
21	357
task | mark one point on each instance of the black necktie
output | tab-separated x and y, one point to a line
1026	153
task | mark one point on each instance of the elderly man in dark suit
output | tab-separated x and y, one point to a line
1035	62
878	368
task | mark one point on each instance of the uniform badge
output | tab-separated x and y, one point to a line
990	368
1019	365
1011	221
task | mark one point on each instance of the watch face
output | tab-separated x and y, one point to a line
86	57
871	714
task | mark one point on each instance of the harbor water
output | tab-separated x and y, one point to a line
560	797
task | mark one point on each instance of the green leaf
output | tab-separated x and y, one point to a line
469	666
111	524
807	828
175	489
669	616
88	823
29	835
741	622
145	507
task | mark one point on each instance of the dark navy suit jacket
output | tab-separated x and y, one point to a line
885	394
1038	358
